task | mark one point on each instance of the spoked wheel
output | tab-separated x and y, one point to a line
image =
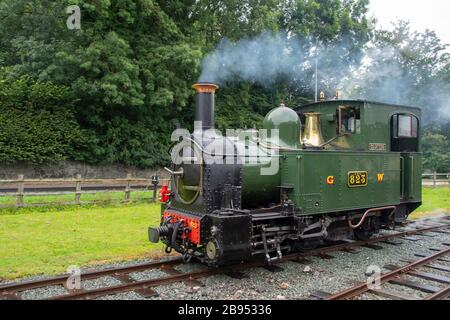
306	245
363	234
368	229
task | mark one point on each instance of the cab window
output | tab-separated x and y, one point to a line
405	133
406	126
349	121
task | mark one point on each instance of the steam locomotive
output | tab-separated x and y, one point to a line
327	171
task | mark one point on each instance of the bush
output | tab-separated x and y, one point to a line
435	155
36	121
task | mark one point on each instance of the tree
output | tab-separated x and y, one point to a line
35	127
405	67
129	69
435	152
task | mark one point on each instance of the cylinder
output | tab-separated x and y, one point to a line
205	104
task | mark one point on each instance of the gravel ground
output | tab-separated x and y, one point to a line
294	281
43	293
147	275
100	283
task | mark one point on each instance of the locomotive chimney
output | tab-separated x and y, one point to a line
204	104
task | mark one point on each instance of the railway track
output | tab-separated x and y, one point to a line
397	276
172	275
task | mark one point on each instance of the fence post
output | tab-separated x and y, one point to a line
127	188
155	192
155	183
434	179
20	190
78	189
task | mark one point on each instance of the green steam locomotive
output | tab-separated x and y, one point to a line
328	171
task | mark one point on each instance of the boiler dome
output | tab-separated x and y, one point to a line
287	122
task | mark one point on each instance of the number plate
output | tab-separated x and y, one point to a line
357	179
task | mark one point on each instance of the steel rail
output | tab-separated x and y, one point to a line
363	287
11	288
147	284
442	294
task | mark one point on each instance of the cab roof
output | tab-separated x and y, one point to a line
360	101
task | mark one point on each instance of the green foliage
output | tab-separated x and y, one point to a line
435	152
328	20
35	127
128	71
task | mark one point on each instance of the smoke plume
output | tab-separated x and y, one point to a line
373	73
261	59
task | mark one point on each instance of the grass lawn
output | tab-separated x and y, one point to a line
435	202
39	240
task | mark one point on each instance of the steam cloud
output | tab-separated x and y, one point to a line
373	75
261	59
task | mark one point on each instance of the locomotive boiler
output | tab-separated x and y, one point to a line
327	171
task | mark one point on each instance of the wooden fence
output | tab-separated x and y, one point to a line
18	187
77	187
435	179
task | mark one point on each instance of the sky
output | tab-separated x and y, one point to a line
430	14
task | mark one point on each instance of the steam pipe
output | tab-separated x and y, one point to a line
351	225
